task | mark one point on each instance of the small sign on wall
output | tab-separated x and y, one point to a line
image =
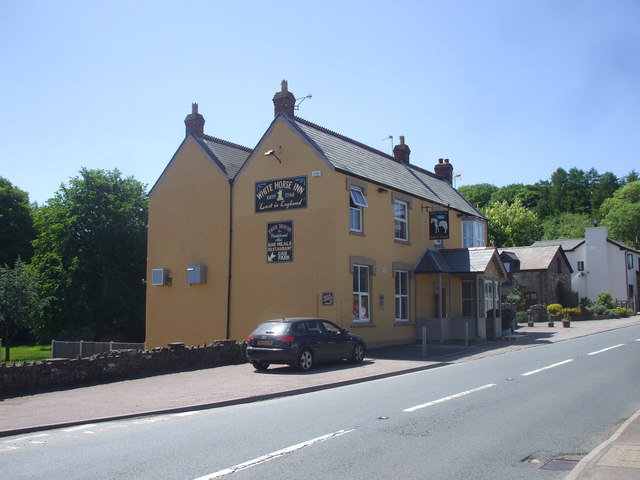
280	242
327	298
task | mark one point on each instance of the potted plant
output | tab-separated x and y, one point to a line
567	313
553	311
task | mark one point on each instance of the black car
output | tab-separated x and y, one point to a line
301	342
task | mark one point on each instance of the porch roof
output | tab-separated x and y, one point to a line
456	260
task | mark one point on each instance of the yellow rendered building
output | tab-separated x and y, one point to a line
313	223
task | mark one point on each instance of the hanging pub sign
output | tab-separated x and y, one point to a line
438	225
280	242
281	194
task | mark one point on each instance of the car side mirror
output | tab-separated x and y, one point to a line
344	331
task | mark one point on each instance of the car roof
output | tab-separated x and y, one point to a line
292	319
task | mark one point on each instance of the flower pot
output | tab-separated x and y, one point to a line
550	324
566	323
529	324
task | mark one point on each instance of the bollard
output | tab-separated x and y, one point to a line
424	342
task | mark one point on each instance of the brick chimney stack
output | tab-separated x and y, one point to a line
194	122
284	101
401	152
444	170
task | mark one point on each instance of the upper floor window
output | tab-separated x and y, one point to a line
400	217
356	203
629	261
472	234
580	266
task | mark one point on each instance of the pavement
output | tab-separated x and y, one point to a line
617	458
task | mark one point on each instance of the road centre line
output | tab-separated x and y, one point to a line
546	368
606	349
271	456
450	397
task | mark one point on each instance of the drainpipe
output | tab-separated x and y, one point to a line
230	252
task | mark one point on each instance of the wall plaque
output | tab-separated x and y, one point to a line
280	242
281	194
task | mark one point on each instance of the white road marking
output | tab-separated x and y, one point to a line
451	397
546	368
271	456
79	427
606	349
22	439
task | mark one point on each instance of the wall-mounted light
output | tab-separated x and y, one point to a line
271	153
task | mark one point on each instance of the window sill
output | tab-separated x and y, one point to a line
402	242
362	324
358	234
403	323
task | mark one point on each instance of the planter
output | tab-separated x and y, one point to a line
529	324
566	323
550	323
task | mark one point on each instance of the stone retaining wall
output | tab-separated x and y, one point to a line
54	373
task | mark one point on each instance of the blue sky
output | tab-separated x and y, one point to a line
508	90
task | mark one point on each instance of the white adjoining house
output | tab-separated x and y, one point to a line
601	264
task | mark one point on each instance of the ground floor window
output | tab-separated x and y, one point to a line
360	293
531	298
468	300
402	296
488	296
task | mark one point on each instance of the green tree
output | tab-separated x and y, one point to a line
91	254
601	187
20	301
512	225
632	176
621	213
478	195
16	224
565	225
557	191
576	192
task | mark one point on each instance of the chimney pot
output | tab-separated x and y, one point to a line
194	122
402	152
284	101
444	170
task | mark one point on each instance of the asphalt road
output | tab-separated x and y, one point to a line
500	417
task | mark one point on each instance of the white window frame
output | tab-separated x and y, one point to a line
629	261
356	204
580	266
400	221
361	293
402	296
488	296
475	237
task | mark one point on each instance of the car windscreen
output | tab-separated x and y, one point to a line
271	328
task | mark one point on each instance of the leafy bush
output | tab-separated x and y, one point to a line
586	302
622	312
569	312
598	309
522	317
606	300
554	309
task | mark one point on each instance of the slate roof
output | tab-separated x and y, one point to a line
567	244
359	160
455	260
229	156
570	244
533	257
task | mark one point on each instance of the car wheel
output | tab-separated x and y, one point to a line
262	366
358	353
305	360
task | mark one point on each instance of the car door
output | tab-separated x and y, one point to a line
338	345
318	340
